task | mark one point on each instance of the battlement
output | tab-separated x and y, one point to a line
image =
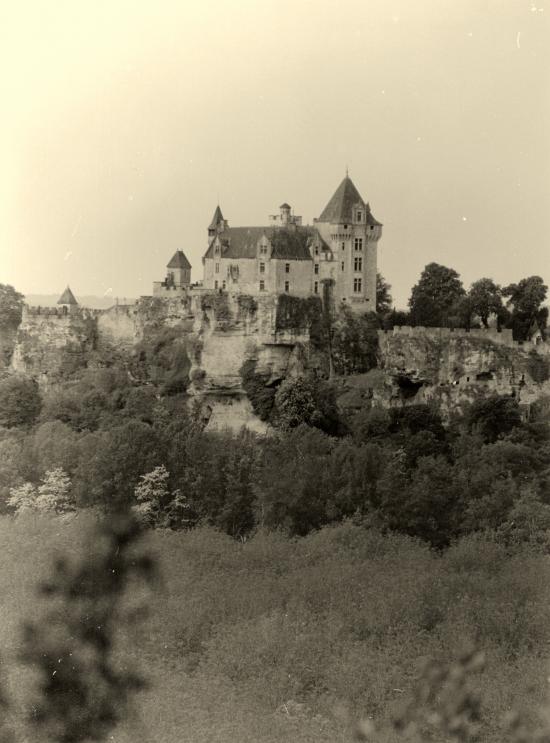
502	337
62	312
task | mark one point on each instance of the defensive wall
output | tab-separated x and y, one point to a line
502	337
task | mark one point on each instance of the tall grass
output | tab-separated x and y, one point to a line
279	639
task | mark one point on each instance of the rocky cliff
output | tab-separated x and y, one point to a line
209	336
199	344
450	368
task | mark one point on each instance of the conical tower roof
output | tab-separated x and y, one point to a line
216	219
339	208
67	297
178	260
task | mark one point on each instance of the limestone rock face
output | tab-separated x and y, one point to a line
454	367
219	332
214	334
53	343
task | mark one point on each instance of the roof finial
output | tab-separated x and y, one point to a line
347	172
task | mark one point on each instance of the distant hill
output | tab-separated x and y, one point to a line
98	303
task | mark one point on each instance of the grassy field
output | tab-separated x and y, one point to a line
293	640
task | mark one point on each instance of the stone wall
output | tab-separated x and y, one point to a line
52	343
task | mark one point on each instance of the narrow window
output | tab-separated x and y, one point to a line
262	267
287	286
316	250
343	246
316	268
357	283
223	284
358	243
342	265
316	287
215	284
358	263
287	267
359	216
217	267
262	286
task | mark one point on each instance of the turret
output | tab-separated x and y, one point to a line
218	223
67	300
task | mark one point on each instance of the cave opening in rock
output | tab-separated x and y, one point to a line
408	387
484	376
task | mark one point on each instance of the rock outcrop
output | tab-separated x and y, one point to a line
214	334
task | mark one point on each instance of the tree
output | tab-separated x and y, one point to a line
294	497
493	417
525	300
151	494
20	401
306	400
112	461
54	495
11	307
23	498
485	298
354	342
433	297
383	297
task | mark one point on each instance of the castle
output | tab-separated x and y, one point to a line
338	250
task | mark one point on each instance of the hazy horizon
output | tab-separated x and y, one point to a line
124	124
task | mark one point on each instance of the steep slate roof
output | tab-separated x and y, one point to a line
286	244
216	219
285	206
178	260
67	297
339	208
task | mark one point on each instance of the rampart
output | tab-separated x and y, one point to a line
502	337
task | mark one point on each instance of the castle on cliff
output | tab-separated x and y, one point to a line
285	256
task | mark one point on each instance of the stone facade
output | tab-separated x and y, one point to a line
287	257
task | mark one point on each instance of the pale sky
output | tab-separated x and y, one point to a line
123	123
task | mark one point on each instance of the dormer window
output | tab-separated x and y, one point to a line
316	250
359	216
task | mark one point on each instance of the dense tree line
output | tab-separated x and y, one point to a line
101	441
439	299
